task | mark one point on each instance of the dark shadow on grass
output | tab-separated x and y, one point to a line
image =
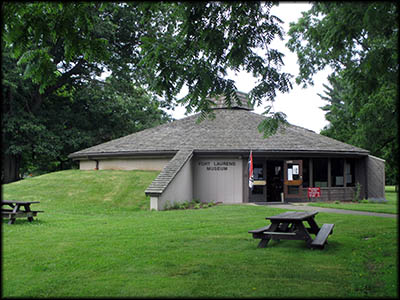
332	246
24	222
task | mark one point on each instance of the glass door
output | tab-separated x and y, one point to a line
259	191
293	178
274	180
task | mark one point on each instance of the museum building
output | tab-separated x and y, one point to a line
208	161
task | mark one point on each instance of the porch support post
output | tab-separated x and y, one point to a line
366	177
329	173
246	190
310	171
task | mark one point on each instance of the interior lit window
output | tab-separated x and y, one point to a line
293	172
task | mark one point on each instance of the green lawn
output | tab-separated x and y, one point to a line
391	206
97	238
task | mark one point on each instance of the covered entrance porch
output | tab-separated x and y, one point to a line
287	178
276	180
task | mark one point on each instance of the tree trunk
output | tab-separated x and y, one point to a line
10	168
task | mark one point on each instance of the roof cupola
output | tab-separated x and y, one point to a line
242	101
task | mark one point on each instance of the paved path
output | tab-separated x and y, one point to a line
332	210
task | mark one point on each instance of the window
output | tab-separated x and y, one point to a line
320	172
349	170
337	172
293	190
257	190
306	173
258	172
293	172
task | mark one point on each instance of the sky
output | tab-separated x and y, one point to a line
301	106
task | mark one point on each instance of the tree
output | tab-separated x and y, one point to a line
339	113
162	45
359	42
159	46
96	114
92	113
40	64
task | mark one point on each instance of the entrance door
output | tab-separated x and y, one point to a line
259	191
293	178
274	180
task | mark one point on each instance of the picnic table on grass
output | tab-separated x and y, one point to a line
290	226
11	209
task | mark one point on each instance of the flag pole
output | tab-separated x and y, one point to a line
251	175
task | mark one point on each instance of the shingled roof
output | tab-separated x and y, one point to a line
232	130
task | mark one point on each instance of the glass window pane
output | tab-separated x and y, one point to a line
349	170
306	174
337	171
293	190
320	172
293	172
257	190
258	172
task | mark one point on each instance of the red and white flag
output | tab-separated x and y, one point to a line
251	178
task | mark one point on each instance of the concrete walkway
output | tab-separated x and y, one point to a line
304	206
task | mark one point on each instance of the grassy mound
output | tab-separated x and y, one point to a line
98	238
84	192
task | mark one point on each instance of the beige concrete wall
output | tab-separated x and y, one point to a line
179	190
87	165
156	164
218	179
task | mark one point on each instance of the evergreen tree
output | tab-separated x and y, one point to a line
359	41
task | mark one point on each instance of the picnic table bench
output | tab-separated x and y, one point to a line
289	226
13	210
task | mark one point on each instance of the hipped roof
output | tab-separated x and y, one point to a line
232	130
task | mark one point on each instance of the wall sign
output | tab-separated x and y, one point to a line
314	192
290	174
217	165
295	169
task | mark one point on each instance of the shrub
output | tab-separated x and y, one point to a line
167	205
175	205
357	193
195	203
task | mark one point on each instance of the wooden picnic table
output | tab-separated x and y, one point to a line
290	226
11	209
